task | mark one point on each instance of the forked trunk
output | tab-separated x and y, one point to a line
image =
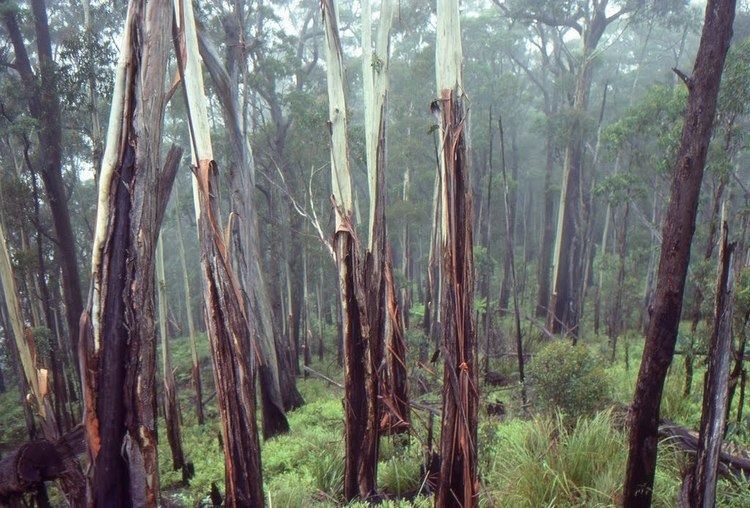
118	346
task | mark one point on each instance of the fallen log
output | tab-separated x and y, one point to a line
687	440
30	465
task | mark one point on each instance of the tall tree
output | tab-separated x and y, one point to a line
677	235
118	336
195	370
41	89
245	239
230	330
458	442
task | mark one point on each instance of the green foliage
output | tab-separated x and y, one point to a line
568	378
12	422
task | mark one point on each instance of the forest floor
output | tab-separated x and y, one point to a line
536	459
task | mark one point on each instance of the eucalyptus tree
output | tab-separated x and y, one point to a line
118	346
41	91
458	442
677	235
360	382
589	19
245	239
230	328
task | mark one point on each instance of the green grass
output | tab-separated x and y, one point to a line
539	460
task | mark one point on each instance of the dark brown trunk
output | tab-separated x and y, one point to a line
26	468
118	336
677	235
458	443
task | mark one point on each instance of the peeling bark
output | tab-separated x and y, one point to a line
458	442
231	333
118	336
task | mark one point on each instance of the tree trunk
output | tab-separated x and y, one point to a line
714	413
44	107
171	400
360	430
118	336
230	330
568	259
195	370
246	247
510	229
458	484
677	235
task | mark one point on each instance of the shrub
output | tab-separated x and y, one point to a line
568	378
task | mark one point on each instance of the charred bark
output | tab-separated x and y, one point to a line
118	346
230	330
678	229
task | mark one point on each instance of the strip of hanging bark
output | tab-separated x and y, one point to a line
395	393
458	479
714	413
678	229
229	330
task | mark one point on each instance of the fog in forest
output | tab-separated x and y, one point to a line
446	253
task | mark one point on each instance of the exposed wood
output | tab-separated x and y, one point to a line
458	484
230	331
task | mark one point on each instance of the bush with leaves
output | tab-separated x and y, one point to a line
569	379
